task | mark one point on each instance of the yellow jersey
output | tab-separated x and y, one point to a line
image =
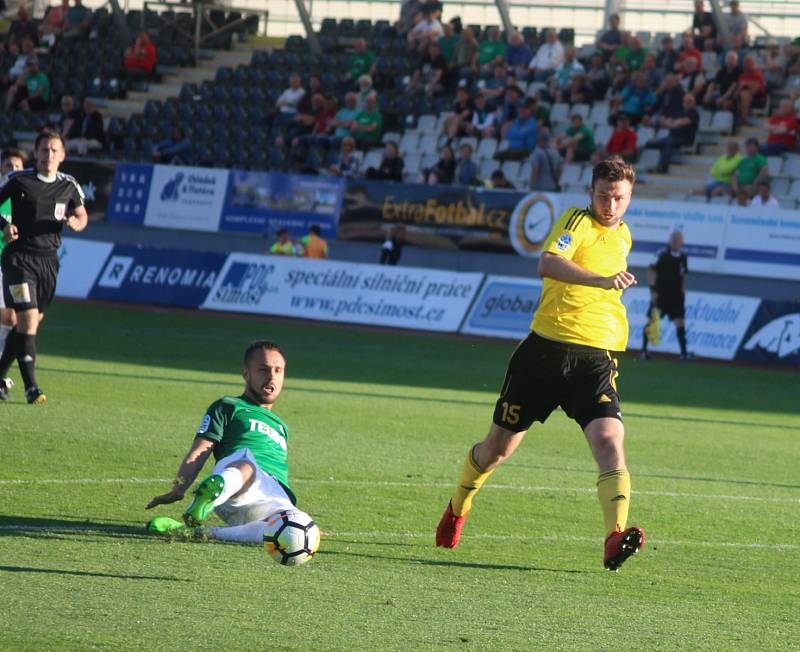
579	314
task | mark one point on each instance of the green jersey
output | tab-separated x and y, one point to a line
234	423
5	216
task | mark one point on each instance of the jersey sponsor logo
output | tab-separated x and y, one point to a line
781	336
269	431
20	293
564	242
604	399
60	212
204	425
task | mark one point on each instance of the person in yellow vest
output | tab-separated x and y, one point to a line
569	359
284	246
314	246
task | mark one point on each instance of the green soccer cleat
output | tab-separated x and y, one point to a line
203	504
164	525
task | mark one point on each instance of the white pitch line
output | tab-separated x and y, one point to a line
427	535
423	485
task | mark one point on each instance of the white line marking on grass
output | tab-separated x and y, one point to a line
429	535
521	537
423	485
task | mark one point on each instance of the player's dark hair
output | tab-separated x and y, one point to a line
613	170
49	134
261	345
12	152
314	228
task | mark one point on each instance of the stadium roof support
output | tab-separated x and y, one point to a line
613	7
311	37
505	15
720	22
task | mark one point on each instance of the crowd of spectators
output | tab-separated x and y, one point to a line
496	86
31	60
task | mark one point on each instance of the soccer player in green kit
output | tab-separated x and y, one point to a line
250	481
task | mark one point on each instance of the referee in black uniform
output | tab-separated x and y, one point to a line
43	200
667	277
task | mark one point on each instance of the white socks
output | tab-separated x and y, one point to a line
247	533
233	484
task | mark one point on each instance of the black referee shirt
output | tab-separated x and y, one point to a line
39	209
670	270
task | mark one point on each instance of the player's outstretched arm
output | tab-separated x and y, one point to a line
560	269
188	471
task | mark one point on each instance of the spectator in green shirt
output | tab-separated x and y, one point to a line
362	62
721	173
636	54
447	42
577	143
491	51
31	92
368	124
751	169
465	55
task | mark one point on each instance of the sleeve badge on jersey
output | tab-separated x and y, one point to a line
60	212
204	424
564	241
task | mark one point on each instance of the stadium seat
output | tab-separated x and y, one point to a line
486	167
644	135
581	110
467	140
372	159
571	174
409	142
559	113
511	169
426	123
794	191
648	160
599	114
780	187
722	122
791	167
391	136
486	148
775	165
602	134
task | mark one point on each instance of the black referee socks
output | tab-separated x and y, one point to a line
26	356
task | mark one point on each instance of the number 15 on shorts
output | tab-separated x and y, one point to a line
510	413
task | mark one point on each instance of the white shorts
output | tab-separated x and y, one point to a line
264	497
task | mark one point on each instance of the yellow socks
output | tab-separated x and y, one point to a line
614	493
472	479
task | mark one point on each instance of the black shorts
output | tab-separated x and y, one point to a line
543	374
29	281
671	306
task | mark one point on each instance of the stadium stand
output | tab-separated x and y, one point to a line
233	119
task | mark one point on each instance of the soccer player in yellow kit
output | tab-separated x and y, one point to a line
567	359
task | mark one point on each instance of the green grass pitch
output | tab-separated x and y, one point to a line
380	423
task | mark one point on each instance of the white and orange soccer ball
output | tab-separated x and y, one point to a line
291	537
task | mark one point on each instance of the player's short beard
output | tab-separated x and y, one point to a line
256	393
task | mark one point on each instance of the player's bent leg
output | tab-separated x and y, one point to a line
605	436
482	460
217	489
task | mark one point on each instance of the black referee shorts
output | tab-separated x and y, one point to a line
543	375
671	306
29	282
